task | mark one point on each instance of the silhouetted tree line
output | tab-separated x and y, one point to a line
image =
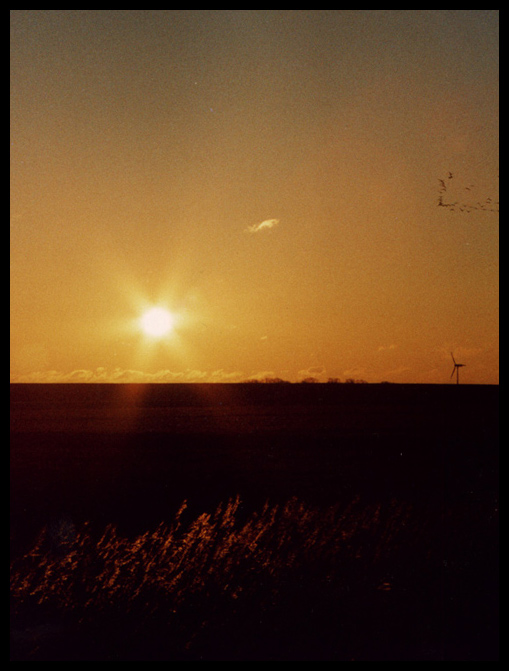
306	380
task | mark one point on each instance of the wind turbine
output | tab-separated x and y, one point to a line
456	369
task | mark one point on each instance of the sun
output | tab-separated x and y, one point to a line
157	322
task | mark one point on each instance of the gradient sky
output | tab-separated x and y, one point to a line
148	147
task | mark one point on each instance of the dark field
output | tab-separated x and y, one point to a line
333	522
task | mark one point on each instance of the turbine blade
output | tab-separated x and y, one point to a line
453	358
453	370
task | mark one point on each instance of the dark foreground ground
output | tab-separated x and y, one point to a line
393	490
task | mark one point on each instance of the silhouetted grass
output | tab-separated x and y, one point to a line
286	582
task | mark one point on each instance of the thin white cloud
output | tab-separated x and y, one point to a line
225	376
122	375
317	372
265	225
261	376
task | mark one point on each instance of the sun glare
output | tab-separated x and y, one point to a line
157	322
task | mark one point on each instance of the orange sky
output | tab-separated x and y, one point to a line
147	147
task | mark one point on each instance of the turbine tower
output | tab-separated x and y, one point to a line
456	369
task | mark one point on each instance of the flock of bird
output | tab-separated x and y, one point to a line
488	205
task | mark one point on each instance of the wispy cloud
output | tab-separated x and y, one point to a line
123	375
225	376
264	226
260	376
385	348
313	371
